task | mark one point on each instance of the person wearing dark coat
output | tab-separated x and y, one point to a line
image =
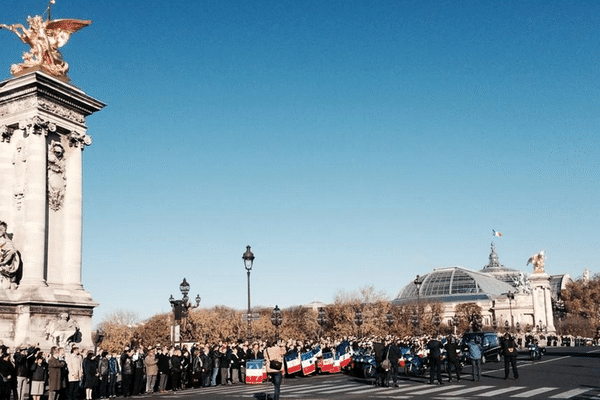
207	366
39	371
452	358
90	374
509	349
163	370
393	354
126	372
7	373
435	364
176	370
379	350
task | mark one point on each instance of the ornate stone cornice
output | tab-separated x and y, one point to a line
37	126
60	110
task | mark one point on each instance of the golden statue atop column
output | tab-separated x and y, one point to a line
44	38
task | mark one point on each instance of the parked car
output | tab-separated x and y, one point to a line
492	348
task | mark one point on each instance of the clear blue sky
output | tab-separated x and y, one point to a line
350	143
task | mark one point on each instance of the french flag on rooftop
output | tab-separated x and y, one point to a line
254	371
496	233
308	362
292	362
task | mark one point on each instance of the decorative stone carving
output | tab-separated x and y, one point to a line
77	139
59	110
56	175
16	106
10	260
522	284
37	126
538	262
19	166
6	133
62	330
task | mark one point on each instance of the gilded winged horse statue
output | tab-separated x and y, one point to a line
44	37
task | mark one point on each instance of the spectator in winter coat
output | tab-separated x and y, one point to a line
452	357
475	350
56	364
39	370
164	370
207	366
103	372
7	373
151	363
75	373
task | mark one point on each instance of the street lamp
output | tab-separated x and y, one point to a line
418	284
437	321
455	322
276	319
511	297
180	310
358	320
321	320
248	258
389	319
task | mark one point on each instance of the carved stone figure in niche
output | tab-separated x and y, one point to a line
18	162
62	331
56	175
10	260
522	284
538	262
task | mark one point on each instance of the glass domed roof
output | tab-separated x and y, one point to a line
454	284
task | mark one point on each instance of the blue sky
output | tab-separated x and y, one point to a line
350	143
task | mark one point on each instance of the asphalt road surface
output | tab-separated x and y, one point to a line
563	373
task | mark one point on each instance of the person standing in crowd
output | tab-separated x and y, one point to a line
39	370
138	371
7	373
274	360
55	370
207	366
126	371
216	363
196	369
23	360
90	374
452	358
176	370
103	372
151	363
435	364
380	354
225	363
475	353
74	366
113	372
393	355
235	365
509	349
164	370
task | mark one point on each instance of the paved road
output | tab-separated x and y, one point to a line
563	373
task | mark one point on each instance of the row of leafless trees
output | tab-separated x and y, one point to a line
378	317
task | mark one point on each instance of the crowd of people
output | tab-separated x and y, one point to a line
71	373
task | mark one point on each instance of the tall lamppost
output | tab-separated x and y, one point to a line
180	310
418	284
276	319
455	322
559	313
248	258
389	319
511	297
437	321
321	320
358	320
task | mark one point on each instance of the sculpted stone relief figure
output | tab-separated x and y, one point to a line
19	166
10	260
44	38
56	175
62	330
538	262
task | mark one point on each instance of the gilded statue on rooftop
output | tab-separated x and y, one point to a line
44	37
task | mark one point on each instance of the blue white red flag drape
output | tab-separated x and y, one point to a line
292	362
254	371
